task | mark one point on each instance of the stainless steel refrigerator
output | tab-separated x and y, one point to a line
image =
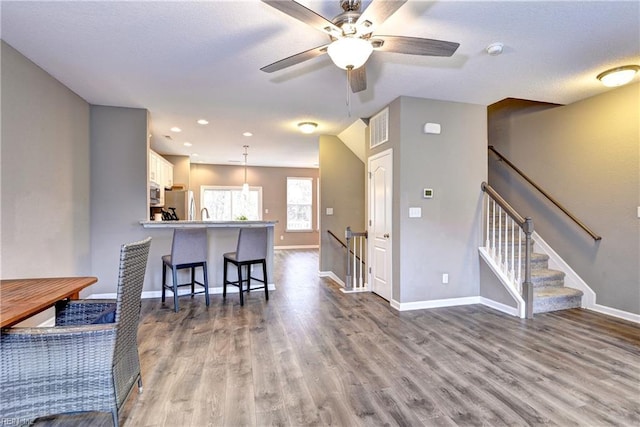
183	202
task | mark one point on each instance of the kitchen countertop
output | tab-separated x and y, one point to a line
209	224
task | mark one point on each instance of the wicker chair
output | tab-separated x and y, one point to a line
82	364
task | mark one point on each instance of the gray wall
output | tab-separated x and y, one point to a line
118	190
342	187
45	173
274	194
587	156
447	236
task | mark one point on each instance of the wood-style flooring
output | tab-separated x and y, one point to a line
312	355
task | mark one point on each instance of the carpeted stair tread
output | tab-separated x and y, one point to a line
544	277
554	298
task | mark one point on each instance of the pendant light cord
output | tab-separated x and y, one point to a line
245	162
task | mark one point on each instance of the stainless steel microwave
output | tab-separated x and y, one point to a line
154	194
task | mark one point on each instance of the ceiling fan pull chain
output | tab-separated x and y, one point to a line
349	90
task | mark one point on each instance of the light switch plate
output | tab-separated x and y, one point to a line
329	211
415	212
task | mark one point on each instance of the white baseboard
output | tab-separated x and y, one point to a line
297	247
447	302
625	315
331	275
361	289
513	311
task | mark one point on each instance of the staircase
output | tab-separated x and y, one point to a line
505	243
549	292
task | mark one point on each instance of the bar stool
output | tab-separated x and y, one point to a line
188	250
251	249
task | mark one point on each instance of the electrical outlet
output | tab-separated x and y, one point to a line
281	237
445	278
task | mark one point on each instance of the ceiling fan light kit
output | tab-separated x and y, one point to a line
351	37
350	52
618	76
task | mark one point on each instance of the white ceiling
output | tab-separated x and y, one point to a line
188	60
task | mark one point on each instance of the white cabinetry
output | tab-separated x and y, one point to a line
153	167
167	174
160	173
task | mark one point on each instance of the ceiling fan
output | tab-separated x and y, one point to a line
352	38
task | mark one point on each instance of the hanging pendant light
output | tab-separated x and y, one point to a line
245	185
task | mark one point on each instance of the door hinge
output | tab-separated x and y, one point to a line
370	175
369	270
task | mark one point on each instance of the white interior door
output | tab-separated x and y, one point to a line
380	198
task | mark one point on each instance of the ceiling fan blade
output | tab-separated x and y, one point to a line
302	13
358	79
379	10
295	59
414	45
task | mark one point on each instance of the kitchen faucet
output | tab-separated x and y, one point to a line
202	211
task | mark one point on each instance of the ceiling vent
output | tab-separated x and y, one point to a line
379	128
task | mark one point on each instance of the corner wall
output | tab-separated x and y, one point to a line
44	175
118	191
342	187
445	239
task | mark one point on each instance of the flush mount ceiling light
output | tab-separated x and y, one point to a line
176	129
247	134
203	122
350	52
307	127
618	76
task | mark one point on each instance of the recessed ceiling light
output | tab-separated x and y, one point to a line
618	76
203	122
495	49
188	144
176	129
247	134
307	127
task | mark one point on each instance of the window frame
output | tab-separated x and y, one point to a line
231	188
299	230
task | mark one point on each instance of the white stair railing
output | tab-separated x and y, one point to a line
356	266
506	232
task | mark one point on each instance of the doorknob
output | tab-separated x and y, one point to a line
386	235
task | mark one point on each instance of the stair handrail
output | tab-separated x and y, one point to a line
526	224
547	195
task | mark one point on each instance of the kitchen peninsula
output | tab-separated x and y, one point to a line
223	237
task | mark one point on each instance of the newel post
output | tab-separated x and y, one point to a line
349	279
527	286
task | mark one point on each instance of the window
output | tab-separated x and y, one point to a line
230	204
299	204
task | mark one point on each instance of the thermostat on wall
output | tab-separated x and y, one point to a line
427	193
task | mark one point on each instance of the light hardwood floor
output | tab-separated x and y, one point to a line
312	355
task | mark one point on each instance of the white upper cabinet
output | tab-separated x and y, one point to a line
160	170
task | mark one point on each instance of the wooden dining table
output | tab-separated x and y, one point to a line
22	298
